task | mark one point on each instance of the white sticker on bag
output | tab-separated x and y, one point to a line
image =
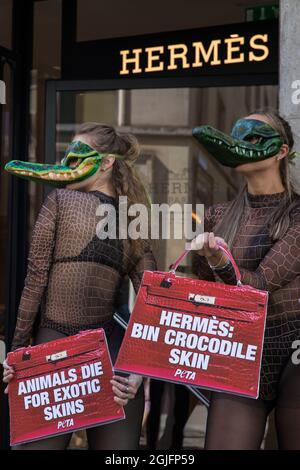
57	356
202	299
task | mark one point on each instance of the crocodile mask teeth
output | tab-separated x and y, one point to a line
79	163
235	149
55	175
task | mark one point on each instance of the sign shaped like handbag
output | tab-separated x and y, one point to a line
205	334
61	386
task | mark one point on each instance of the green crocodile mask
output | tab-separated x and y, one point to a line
79	163
236	149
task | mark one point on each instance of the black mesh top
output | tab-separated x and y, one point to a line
73	276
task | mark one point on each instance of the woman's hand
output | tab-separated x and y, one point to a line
125	388
8	374
206	245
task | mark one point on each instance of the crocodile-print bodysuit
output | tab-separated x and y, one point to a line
73	276
268	265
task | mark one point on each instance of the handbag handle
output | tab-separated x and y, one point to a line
238	276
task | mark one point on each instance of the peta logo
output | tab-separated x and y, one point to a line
201	299
66	423
2	92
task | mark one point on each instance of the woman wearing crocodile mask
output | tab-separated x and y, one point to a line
262	228
74	275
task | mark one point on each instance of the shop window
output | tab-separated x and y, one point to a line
76	108
171	105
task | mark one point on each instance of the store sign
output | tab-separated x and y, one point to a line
176	56
244	52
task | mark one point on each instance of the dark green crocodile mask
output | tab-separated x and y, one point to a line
79	163
235	149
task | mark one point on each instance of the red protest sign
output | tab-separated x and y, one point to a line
200	333
61	386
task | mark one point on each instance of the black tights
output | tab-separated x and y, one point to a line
121	435
236	423
181	414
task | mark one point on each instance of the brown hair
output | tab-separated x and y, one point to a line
279	219
125	178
